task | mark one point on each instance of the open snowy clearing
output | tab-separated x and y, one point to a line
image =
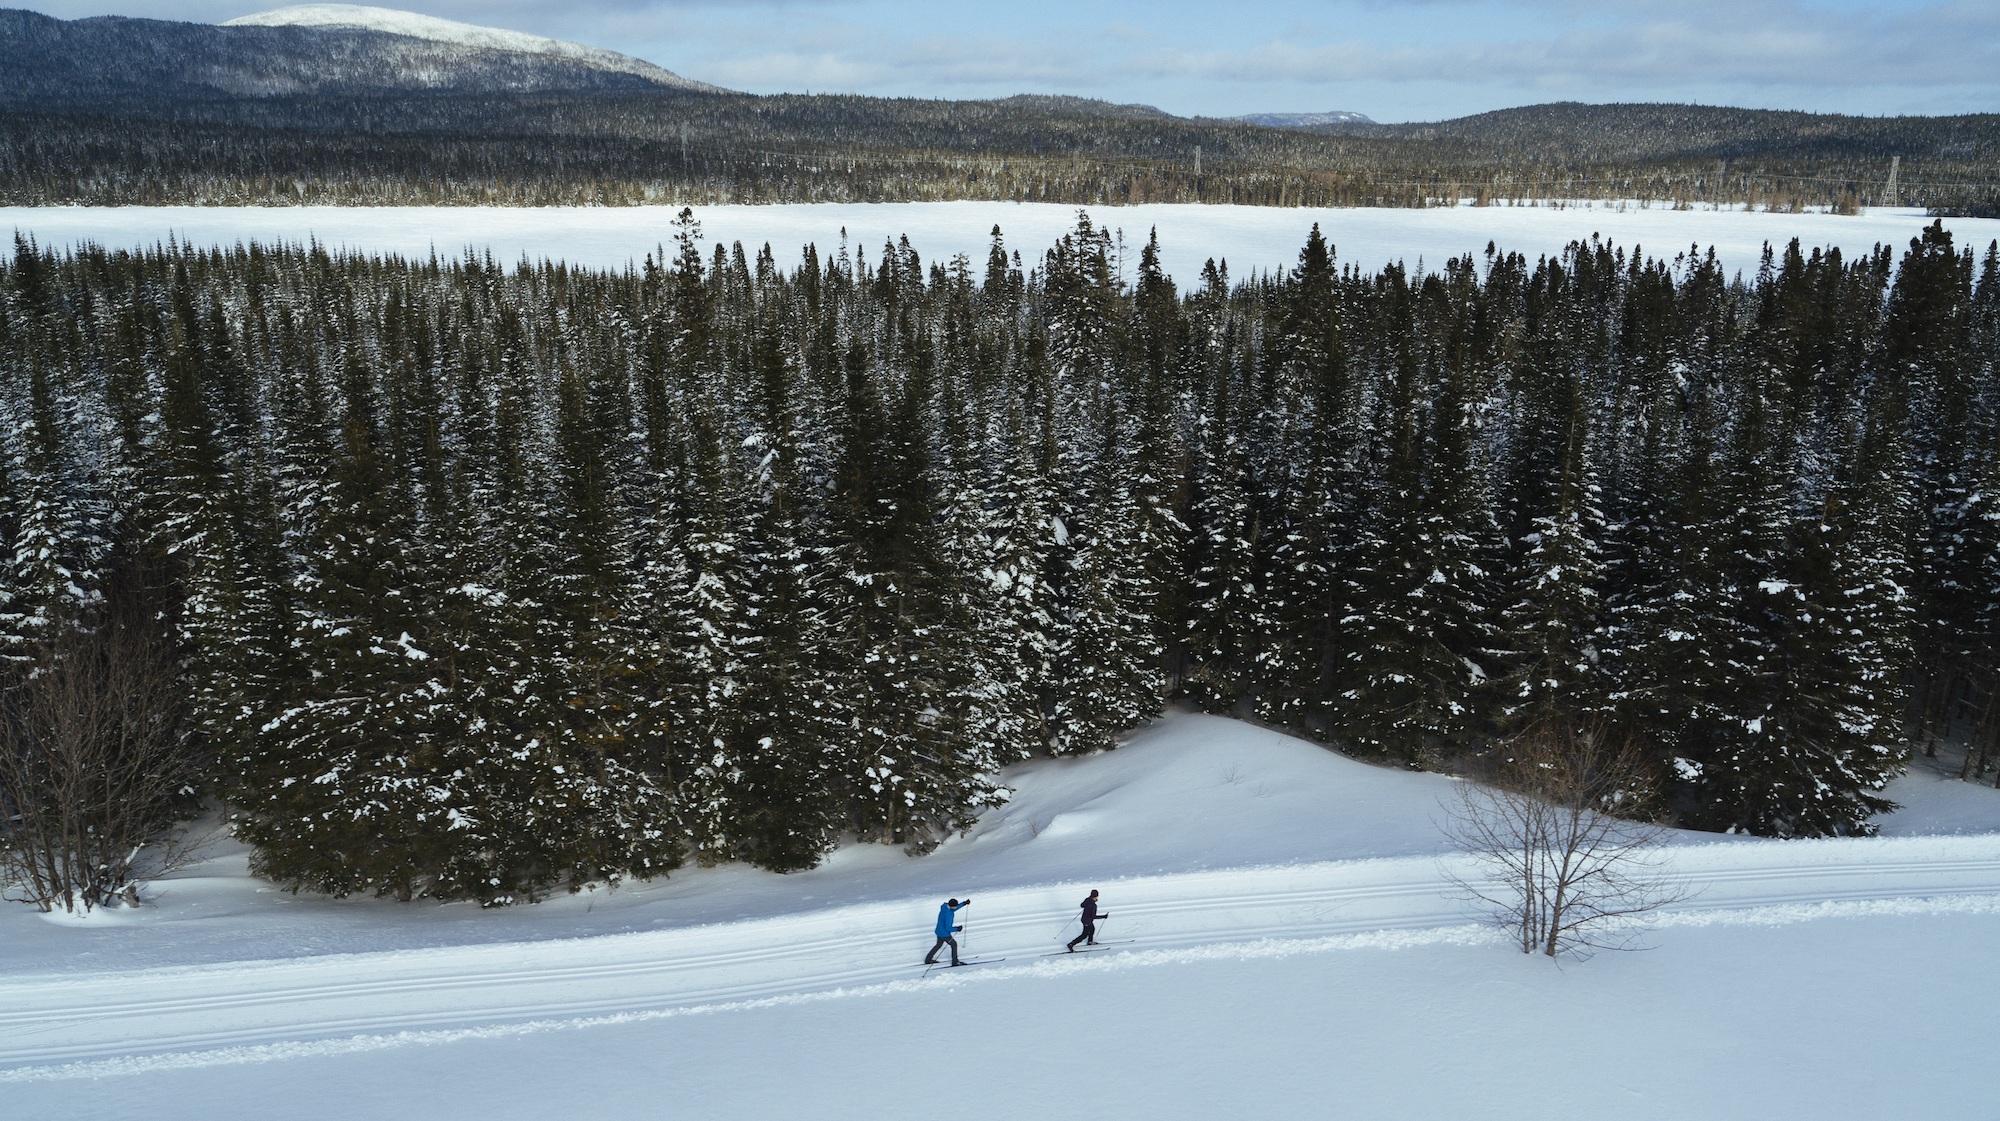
1296	945
1250	238
1859	1017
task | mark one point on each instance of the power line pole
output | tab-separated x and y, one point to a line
1895	164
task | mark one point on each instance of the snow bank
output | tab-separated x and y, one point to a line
1192	793
1931	799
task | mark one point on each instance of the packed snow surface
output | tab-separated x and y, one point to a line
1248	238
1294	947
390	21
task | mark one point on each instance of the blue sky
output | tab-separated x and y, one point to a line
1395	60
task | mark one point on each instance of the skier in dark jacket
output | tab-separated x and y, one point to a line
1090	917
945	929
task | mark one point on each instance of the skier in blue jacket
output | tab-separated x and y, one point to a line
946	927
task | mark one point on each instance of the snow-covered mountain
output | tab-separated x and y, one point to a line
413	25
1304	120
314	50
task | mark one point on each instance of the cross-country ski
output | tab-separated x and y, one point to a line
934	966
1093	947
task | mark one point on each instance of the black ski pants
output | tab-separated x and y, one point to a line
946	940
1089	935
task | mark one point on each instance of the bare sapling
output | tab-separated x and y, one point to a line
1565	853
95	770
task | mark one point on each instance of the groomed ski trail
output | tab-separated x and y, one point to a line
76	1026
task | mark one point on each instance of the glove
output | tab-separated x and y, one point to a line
956	929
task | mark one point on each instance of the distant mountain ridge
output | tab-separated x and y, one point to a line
327	50
1085	106
391	21
1305	120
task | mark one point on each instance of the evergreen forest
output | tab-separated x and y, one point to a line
467	581
673	147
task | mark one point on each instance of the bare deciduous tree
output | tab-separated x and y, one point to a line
94	765
1566	856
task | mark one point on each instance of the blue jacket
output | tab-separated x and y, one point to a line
946	914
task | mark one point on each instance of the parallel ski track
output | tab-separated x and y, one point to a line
73	1024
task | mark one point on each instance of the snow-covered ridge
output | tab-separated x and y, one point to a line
1305	120
390	21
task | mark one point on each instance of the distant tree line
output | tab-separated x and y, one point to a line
477	582
673	147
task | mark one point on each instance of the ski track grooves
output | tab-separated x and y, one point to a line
53	1021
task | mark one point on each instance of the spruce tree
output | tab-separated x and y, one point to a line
1417	587
1221	596
1552	623
1313	435
777	804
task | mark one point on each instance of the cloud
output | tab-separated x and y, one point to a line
1727	44
830	54
901	74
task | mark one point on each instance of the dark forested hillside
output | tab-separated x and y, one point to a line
1619	133
142	111
620	148
477	582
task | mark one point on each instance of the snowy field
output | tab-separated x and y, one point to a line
1248	237
1294	949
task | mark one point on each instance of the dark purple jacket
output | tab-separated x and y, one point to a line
1089	911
